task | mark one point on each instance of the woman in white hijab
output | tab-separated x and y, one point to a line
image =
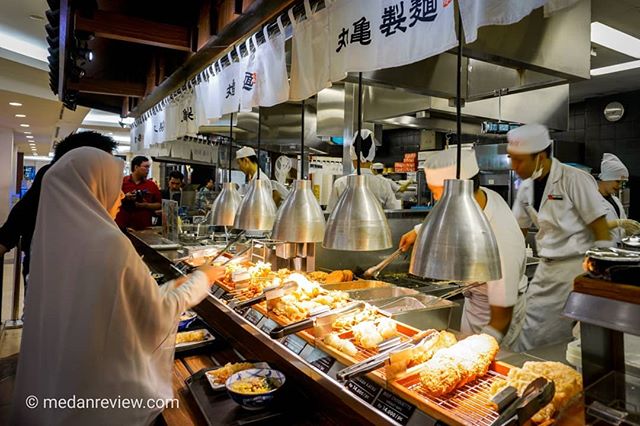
97	325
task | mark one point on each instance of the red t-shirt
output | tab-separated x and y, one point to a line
134	217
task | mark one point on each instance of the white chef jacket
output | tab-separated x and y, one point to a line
570	202
617	234
274	185
378	185
96	324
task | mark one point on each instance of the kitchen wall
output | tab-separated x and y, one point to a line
590	135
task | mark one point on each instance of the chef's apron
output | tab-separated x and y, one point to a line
476	313
544	324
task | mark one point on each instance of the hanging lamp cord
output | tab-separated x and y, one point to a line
259	137
359	136
302	171
458	97
230	143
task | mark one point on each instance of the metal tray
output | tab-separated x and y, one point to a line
357	285
381	293
413	310
219	409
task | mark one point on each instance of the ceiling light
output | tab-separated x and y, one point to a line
615	39
24	125
27	133
15	104
36	17
29	137
20	115
616	68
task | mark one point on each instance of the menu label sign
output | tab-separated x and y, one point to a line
394	407
253	316
294	343
364	389
242	311
267	325
324	364
226	297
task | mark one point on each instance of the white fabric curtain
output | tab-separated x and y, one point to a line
310	53
228	92
247	75
272	77
476	14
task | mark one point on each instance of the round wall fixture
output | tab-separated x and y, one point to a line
613	111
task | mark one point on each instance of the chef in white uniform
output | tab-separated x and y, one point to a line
564	204
97	324
612	174
378	185
497	307
248	164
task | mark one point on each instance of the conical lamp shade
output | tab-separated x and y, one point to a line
300	218
225	206
257	212
456	241
357	222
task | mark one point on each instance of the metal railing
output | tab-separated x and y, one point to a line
14	321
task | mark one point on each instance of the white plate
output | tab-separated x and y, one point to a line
208	337
216	386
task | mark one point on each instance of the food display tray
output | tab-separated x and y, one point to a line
468	405
219	409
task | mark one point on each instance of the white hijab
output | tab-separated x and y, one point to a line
96	323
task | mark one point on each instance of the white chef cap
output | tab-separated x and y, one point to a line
528	139
377	166
442	166
245	151
365	157
612	168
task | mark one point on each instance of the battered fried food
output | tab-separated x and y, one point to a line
318	276
343	345
453	367
191	336
366	335
346	322
424	352
567	381
339	276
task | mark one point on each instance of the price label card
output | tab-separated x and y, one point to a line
324	364
266	325
242	311
226	297
219	292
294	343
253	316
364	389
394	407
318	359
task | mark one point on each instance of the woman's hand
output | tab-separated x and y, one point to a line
214	273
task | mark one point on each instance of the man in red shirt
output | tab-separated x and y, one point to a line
142	197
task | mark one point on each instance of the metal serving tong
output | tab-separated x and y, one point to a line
184	268
269	293
452	293
377	361
326	318
374	271
514	410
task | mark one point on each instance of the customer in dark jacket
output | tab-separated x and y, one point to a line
22	217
